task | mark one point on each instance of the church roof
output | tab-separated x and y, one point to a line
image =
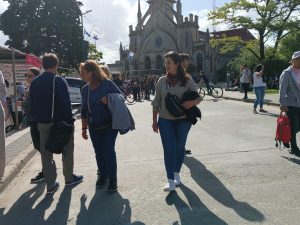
244	33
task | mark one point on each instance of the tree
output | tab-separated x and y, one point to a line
94	54
40	26
271	19
289	45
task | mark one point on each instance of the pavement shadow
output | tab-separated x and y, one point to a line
216	189
269	114
193	213
105	208
22	211
296	161
61	213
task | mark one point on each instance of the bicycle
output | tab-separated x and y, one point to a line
127	93
215	91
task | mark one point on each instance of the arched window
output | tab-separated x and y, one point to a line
159	62
199	62
147	63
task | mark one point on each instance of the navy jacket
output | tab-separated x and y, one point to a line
41	91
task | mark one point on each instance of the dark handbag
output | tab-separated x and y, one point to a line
59	137
60	132
173	105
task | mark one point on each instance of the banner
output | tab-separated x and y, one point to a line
33	61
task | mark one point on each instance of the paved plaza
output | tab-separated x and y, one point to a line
235	175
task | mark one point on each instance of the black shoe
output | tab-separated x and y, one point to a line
53	189
112	186
187	152
295	151
101	181
76	180
38	178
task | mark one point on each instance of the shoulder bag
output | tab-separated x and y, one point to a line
60	132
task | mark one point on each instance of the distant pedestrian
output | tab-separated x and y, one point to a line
185	62
42	108
32	73
289	92
2	127
245	80
96	118
259	86
173	131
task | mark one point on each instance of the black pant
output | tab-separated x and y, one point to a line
20	117
294	116
245	87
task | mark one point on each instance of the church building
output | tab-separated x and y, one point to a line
162	29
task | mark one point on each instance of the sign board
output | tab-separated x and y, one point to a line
7	70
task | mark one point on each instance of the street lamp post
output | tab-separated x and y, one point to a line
82	14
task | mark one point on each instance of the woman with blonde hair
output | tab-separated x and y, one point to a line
105	69
96	118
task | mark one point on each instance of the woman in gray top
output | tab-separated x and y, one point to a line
173	131
2	130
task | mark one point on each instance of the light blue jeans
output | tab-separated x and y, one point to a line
260	95
173	136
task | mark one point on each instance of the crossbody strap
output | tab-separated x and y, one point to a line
53	97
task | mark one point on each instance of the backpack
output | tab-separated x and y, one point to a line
283	131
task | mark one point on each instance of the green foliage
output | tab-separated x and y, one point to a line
289	45
269	18
245	57
94	54
275	66
40	26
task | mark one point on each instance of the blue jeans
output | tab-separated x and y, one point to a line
260	95
173	136
104	145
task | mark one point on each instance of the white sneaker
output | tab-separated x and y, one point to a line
177	180
170	186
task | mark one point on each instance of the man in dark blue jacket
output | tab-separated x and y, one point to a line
41	95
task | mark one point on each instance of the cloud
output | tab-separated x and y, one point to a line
111	18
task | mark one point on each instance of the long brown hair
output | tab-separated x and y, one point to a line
97	74
175	57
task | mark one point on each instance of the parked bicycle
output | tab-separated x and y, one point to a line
214	90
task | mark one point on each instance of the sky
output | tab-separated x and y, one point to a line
110	20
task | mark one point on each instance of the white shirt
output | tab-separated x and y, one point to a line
258	81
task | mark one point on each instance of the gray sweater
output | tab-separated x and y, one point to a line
289	91
162	90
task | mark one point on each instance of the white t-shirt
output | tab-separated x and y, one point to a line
258	81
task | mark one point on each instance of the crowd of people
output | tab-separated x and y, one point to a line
104	114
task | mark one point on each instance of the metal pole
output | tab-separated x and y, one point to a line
15	89
83	55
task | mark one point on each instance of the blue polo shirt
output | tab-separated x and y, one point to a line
41	92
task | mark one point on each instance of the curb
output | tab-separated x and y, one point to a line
250	101
16	165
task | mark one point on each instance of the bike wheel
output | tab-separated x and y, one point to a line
217	92
130	98
202	92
